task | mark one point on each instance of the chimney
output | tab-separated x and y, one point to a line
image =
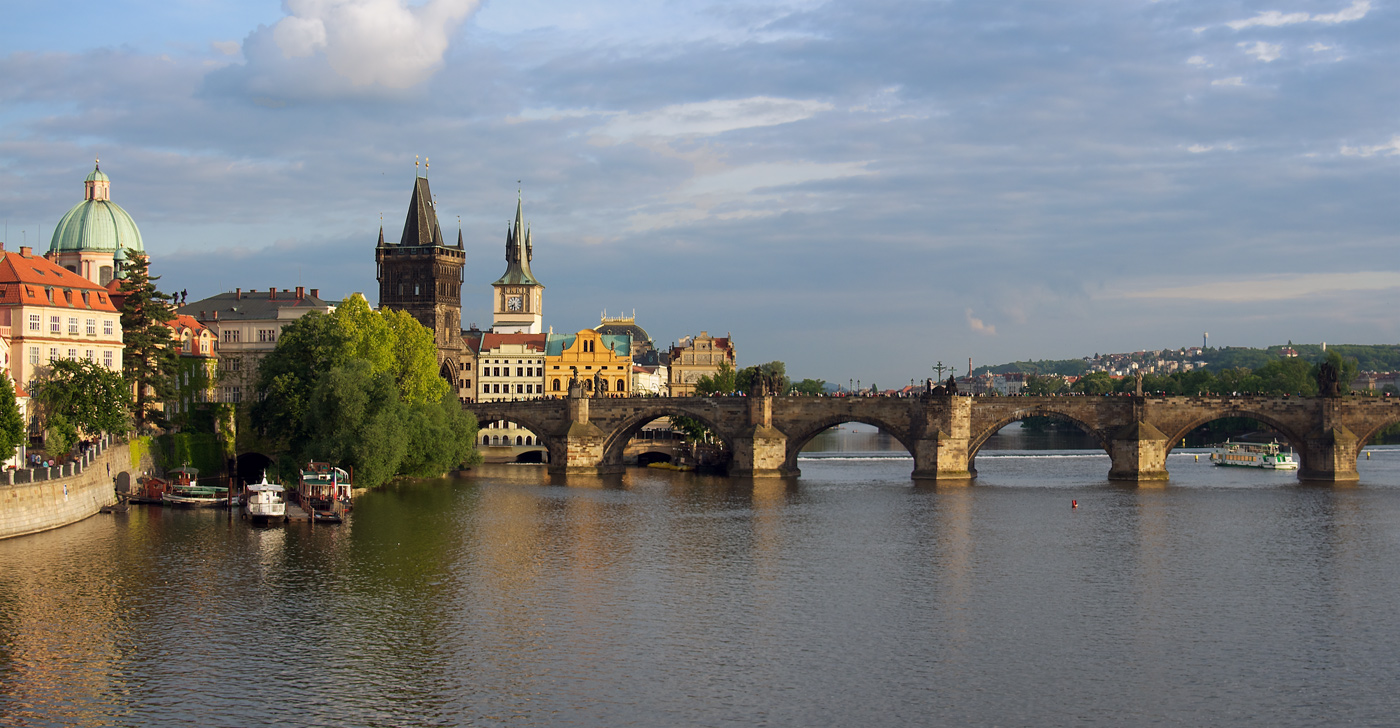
202	316
272	293
216	316
26	251
315	293
238	294
301	293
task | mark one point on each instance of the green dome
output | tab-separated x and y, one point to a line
96	225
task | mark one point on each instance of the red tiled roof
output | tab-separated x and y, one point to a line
533	342
32	279
187	321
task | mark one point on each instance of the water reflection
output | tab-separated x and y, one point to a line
850	596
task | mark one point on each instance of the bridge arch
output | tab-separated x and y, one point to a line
1364	437
795	442
250	467
980	438
616	442
1296	440
542	436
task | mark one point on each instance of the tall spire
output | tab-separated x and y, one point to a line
421	226
518	249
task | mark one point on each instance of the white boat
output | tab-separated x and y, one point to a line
1253	455
265	501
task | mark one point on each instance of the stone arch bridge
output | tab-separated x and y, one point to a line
944	433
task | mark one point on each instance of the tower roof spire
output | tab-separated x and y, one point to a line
518	249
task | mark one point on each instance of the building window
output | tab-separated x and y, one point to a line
55	325
53	354
497	390
90	355
267	335
73	325
556	385
520	371
232	365
92	327
73	354
33	322
230	336
107	359
107	327
33	355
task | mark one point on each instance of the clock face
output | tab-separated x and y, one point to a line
513	303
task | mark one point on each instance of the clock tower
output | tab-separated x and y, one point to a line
519	298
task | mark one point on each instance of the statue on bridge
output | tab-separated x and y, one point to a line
1328	380
946	389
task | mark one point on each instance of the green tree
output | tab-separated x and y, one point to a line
86	394
1043	385
60	436
721	382
1095	383
811	387
745	379
12	430
1347	369
354	419
150	358
415	364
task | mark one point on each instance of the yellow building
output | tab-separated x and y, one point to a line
602	363
696	358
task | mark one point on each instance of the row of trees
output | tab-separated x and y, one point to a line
1292	376
360	388
730	381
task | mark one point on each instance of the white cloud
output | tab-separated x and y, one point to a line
708	118
1319	47
1388	149
978	326
1199	148
1266	52
372	42
1231	81
1273	18
731	194
226	47
1273	288
1199	61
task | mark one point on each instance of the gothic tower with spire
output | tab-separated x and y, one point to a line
422	274
519	297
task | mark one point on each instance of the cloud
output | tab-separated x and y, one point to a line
977	325
1319	47
1199	148
1266	52
226	47
708	118
1273	18
1199	61
1274	288
1390	148
367	43
1231	81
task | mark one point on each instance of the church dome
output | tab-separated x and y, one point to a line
96	224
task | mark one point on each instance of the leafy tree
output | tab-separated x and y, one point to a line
86	394
311	345
151	357
812	387
721	382
1095	383
1347	369
441	436
415	364
353	419
60	436
12	430
1043	385
691	429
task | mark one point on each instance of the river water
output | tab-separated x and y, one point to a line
849	597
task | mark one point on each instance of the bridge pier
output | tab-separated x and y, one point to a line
1138	453
582	447
942	452
760	449
1330	456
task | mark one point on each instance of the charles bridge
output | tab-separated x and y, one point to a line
945	432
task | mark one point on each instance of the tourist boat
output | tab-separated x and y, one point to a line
196	496
150	489
1253	455
264	501
324	491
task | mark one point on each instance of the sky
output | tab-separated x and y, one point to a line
860	189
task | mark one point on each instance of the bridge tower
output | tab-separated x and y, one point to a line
518	305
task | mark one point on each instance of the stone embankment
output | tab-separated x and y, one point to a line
40	499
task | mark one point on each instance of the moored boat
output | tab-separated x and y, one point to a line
324	492
264	501
1269	456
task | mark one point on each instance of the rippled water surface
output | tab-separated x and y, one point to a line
849	597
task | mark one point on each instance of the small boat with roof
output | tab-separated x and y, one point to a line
264	501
